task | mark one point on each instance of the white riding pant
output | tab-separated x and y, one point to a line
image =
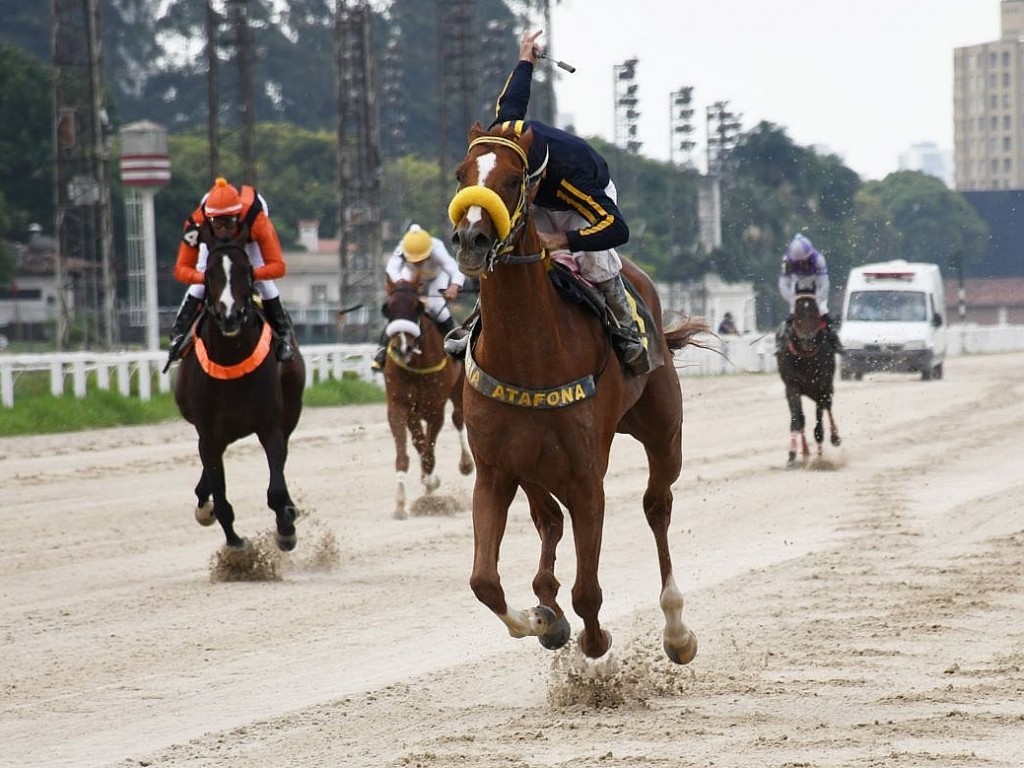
436	305
267	289
595	266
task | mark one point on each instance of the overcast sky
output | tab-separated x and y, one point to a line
866	78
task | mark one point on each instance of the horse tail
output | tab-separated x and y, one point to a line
679	332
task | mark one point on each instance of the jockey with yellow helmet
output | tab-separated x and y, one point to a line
224	214
423	259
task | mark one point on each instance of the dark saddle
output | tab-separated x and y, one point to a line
578	291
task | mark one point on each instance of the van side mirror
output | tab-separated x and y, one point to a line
937	320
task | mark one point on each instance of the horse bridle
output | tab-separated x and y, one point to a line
479	194
245	310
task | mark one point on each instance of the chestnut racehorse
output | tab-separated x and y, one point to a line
543	399
420	380
230	385
807	366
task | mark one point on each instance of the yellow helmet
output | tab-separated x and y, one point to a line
417	244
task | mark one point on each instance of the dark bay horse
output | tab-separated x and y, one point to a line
420	380
807	366
230	386
543	400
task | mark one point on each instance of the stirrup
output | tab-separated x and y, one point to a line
378	359
456	342
173	352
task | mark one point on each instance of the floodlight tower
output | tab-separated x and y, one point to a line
681	143
626	113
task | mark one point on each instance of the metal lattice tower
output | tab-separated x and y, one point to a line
83	225
454	62
230	30
359	169
627	114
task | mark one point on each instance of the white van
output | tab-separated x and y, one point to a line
893	320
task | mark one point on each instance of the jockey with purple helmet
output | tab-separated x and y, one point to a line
805	269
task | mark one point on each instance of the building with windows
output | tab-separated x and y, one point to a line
928	158
988	107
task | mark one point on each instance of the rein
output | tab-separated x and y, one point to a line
418	371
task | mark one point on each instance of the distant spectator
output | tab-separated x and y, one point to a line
727	326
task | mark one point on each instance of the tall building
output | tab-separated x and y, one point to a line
988	107
927	157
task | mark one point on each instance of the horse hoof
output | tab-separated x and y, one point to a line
603	656
242	545
685	652
836	440
286	543
557	635
204	514
399	514
466	467
791	464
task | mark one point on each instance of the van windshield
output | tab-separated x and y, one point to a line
888	306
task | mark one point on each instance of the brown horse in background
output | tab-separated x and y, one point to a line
807	366
230	385
544	396
420	380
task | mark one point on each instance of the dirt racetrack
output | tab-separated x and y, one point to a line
872	615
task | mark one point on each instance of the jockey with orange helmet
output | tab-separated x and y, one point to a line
423	259
224	214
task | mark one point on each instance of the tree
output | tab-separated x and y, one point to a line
917	218
26	154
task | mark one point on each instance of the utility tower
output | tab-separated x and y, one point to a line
454	38
230	30
84	230
359	169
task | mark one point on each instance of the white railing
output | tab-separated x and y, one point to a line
136	371
749	353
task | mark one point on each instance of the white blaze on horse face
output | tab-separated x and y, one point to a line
484	165
225	296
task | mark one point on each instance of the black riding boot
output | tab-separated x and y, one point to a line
282	327
381	354
445	326
627	335
782	332
833	337
186	314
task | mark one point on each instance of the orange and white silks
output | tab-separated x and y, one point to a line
238	370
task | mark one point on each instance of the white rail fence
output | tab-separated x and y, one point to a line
134	373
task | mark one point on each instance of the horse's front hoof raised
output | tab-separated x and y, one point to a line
684	652
286	543
557	635
204	514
